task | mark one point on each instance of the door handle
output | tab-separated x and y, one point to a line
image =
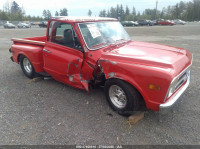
46	51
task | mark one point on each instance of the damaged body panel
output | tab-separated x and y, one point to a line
91	51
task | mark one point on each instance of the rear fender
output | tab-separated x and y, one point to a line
33	53
20	54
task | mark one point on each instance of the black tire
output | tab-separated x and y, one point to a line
29	72
133	97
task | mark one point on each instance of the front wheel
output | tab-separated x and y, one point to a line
27	67
122	97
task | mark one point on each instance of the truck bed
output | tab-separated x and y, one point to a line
32	40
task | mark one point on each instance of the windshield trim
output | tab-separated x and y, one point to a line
84	38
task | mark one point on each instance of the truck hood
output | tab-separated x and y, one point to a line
149	54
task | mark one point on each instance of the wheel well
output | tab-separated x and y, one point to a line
99	77
18	58
143	103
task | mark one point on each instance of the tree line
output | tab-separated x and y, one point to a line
47	14
13	12
188	11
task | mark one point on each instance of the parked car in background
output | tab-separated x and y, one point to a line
145	22
134	23
129	23
34	23
23	25
8	25
151	23
177	21
43	24
166	22
126	23
155	22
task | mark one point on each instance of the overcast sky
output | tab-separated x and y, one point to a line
81	7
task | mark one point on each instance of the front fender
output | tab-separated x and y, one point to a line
139	76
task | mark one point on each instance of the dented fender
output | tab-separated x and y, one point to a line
139	76
119	70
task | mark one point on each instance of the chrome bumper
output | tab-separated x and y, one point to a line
165	107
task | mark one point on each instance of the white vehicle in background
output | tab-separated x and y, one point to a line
9	25
23	25
129	23
134	23
177	21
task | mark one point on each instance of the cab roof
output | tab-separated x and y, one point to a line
83	18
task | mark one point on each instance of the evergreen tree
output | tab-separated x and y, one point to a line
122	13
89	12
127	11
46	14
3	15
108	13
64	12
56	13
15	8
133	11
113	12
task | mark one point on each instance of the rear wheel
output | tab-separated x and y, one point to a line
122	97
26	66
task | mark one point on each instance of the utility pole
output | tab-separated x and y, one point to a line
156	9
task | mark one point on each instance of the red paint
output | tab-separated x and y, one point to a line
166	23
138	63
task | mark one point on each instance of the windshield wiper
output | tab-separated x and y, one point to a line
97	46
119	41
122	40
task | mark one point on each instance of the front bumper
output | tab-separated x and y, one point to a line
166	107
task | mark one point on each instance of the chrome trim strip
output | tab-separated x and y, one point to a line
46	51
176	97
28	41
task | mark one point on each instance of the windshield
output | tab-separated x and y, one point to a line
100	34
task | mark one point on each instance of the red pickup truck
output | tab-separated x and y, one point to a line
89	51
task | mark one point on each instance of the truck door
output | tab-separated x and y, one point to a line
63	56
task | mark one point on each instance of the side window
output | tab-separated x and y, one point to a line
64	34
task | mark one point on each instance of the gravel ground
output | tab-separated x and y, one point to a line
49	112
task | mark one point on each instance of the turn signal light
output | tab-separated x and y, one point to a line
154	87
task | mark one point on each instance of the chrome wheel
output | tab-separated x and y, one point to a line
117	96
27	65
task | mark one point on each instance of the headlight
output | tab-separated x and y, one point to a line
178	81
